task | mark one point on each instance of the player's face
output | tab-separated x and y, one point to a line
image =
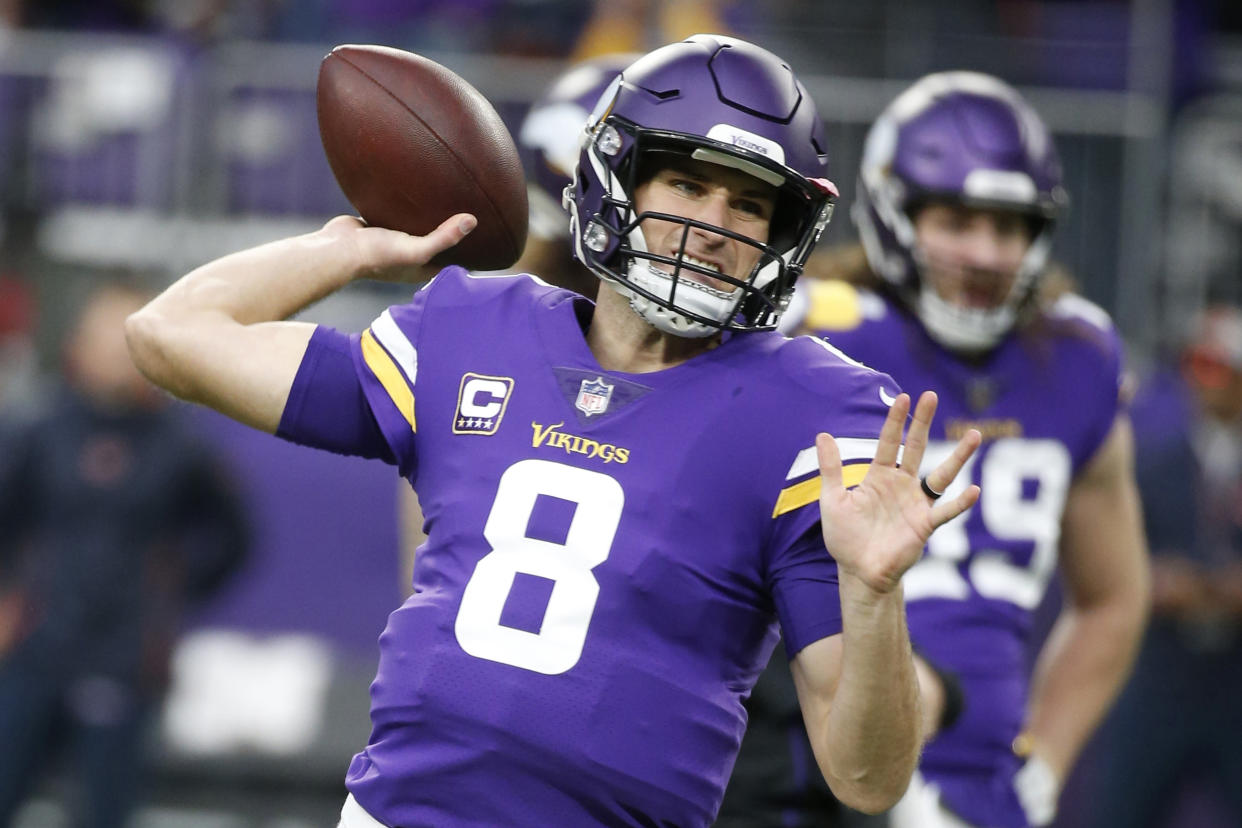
971	255
714	195
97	358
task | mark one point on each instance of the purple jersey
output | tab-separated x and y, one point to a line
607	556
1044	401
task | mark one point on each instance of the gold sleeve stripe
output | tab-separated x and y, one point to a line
389	375
852	449
800	494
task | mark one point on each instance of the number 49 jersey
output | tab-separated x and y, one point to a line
607	556
1044	401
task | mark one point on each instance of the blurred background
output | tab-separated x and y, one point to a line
145	137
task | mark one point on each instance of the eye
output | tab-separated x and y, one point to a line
753	208
957	220
1012	227
686	186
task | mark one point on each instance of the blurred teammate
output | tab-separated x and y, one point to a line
1177	722
620	497
550	140
112	519
958	195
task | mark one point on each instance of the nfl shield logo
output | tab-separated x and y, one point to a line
593	396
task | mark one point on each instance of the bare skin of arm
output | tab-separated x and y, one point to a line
859	691
1104	564
216	337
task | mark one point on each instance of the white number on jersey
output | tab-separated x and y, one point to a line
558	644
1007	515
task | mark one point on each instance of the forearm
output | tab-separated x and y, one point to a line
209	338
1080	671
267	283
869	741
1107	578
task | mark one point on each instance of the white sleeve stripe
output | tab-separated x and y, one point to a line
397	344
852	450
837	352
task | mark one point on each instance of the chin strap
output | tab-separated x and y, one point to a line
963	330
694	296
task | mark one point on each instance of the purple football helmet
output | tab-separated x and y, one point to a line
965	138
551	137
719	100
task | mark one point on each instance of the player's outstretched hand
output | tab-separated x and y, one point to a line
877	530
393	256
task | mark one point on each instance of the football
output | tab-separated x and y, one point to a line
411	143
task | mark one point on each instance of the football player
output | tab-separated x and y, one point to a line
622	498
958	196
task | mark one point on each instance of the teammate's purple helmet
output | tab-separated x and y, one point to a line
720	100
551	137
966	138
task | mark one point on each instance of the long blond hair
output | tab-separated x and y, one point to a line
847	262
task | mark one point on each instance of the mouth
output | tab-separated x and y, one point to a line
695	273
970	288
980	297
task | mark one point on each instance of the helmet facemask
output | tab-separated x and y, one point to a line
714	100
663	289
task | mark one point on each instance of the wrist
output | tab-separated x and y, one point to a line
869	588
1027	746
341	256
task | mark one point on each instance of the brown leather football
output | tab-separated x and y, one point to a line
411	143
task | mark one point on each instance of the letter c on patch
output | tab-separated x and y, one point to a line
483	397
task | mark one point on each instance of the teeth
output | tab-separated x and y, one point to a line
700	263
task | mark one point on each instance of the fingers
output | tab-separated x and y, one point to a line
451	231
944	510
890	432
940	477
920	427
830	471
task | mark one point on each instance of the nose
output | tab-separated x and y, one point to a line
984	247
713	210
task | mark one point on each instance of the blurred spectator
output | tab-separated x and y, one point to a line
112	517
17	351
1179	719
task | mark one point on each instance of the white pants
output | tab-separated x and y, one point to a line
353	816
920	808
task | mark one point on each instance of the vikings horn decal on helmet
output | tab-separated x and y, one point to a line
719	100
552	134
965	138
